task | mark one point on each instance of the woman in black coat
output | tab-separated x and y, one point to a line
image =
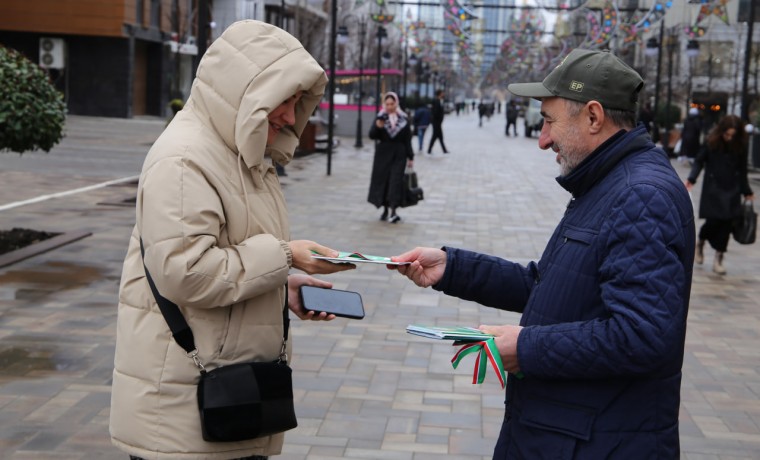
393	153
724	159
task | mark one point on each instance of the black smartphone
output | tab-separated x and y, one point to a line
347	304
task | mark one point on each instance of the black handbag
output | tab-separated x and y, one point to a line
239	401
745	226
413	193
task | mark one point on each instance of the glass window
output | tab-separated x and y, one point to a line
717	60
155	13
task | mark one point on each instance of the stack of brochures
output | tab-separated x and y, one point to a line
458	334
353	257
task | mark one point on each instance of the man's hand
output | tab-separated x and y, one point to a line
294	297
426	268
506	342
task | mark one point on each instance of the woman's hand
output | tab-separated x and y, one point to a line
295	282
688	185
426	268
303	250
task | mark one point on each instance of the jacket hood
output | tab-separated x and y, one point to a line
244	75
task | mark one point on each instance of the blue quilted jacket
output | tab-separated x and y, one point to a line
604	312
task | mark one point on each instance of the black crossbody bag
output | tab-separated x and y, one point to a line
239	401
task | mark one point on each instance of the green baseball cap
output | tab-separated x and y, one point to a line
586	75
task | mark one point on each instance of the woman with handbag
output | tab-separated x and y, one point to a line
212	219
724	160
393	154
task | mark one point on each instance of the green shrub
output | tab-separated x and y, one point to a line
32	111
671	112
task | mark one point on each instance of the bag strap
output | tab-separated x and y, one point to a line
181	331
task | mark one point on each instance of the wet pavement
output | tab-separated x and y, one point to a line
364	389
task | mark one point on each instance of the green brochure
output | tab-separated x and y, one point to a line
458	334
354	257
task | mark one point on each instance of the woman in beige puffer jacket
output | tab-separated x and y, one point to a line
213	220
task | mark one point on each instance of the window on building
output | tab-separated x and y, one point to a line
717	60
250	9
155	13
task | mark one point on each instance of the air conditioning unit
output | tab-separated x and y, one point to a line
52	55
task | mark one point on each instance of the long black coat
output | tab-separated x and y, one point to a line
725	182
391	153
692	128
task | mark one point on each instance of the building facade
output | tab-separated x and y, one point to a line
108	58
126	58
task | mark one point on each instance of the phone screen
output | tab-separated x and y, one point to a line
347	304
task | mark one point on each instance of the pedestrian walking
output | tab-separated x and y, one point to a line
393	154
422	118
212	219
595	364
691	136
724	160
646	116
438	114
512	112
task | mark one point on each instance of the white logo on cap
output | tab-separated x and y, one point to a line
576	86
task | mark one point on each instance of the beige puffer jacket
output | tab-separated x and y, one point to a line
213	220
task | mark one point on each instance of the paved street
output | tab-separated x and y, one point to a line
364	389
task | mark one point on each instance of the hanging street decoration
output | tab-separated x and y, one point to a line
382	18
655	14
529	51
715	8
694	31
600	32
517	57
454	8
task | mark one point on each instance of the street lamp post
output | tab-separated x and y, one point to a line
406	63
692	51
412	61
654	48
671	45
343	39
425	70
331	84
747	55
381	33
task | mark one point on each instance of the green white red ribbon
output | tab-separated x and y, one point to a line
487	353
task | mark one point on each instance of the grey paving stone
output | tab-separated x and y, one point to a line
364	389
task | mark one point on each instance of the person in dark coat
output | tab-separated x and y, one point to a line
393	153
595	364
481	113
690	134
724	159
512	112
438	114
646	116
421	122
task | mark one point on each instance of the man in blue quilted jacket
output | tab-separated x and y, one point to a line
600	344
